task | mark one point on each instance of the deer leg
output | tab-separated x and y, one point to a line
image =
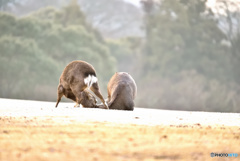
77	105
77	92
95	89
78	95
58	99
60	94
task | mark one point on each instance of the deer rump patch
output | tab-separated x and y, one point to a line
90	80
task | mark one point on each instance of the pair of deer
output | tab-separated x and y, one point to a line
79	76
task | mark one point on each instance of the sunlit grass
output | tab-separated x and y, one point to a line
32	138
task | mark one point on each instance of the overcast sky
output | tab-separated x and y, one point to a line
135	2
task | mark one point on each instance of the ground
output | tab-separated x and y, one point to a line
32	130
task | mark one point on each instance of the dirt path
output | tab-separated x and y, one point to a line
31	130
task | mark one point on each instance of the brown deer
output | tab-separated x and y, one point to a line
122	90
77	77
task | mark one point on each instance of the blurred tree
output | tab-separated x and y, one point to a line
127	53
76	38
228	15
122	22
23	66
24	7
52	44
182	36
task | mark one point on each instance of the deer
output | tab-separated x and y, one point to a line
77	78
122	91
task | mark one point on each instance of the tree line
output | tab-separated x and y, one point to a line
187	60
36	48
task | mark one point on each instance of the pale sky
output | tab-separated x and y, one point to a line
135	2
210	3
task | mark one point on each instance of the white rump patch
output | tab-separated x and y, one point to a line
90	80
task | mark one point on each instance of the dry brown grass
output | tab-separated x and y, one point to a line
35	138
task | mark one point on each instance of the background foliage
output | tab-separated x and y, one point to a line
36	48
186	58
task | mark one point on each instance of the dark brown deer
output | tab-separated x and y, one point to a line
122	90
77	77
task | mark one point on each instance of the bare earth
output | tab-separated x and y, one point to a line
34	130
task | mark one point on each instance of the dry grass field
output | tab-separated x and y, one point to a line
61	138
